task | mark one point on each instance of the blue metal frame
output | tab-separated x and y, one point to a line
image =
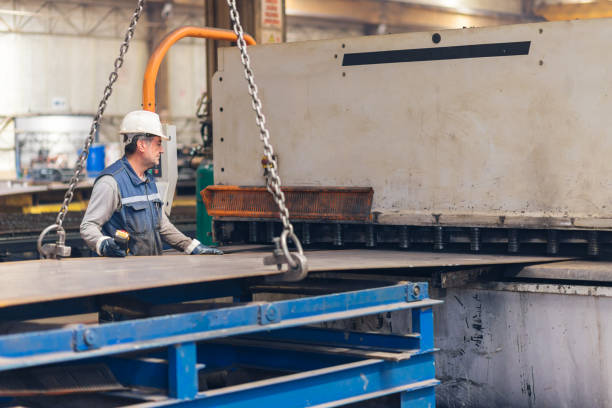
341	384
153	296
369	365
182	371
345	338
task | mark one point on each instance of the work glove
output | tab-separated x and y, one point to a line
109	247
205	250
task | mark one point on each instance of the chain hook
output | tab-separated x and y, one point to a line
297	263
291	260
53	251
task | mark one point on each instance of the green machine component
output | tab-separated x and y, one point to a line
204	178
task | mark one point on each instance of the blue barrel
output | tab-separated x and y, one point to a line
95	160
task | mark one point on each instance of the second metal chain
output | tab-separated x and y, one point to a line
59	249
273	182
108	90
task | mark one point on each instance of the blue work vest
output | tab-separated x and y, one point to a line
140	212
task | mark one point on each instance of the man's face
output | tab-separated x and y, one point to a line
152	150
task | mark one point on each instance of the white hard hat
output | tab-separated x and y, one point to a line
142	121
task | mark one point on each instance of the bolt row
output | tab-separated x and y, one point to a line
405	238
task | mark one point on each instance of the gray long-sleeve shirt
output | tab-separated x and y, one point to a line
105	200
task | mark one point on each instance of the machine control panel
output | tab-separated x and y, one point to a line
156	171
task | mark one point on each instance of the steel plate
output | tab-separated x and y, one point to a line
28	282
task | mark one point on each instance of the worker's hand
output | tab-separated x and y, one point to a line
206	250
109	247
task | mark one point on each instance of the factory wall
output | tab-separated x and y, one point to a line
56	74
61	74
58	58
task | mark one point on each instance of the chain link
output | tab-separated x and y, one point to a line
108	90
273	181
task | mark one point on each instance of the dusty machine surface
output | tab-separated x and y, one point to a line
475	139
490	135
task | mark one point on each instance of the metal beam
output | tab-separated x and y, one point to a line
191	3
157	30
374	12
328	387
217	15
98	19
182	371
342	338
572	11
150	370
224	353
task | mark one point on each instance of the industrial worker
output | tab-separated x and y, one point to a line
125	197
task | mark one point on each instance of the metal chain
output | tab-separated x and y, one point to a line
108	90
273	181
59	249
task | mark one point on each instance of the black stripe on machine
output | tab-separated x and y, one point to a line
437	53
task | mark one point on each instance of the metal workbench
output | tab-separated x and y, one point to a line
158	350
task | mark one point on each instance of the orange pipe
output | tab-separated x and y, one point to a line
150	77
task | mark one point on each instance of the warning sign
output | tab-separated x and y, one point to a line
271	36
272	14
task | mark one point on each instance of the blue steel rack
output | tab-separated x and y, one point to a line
321	367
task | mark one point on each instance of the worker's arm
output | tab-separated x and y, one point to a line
180	241
104	201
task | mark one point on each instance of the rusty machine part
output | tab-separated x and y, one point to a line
304	203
